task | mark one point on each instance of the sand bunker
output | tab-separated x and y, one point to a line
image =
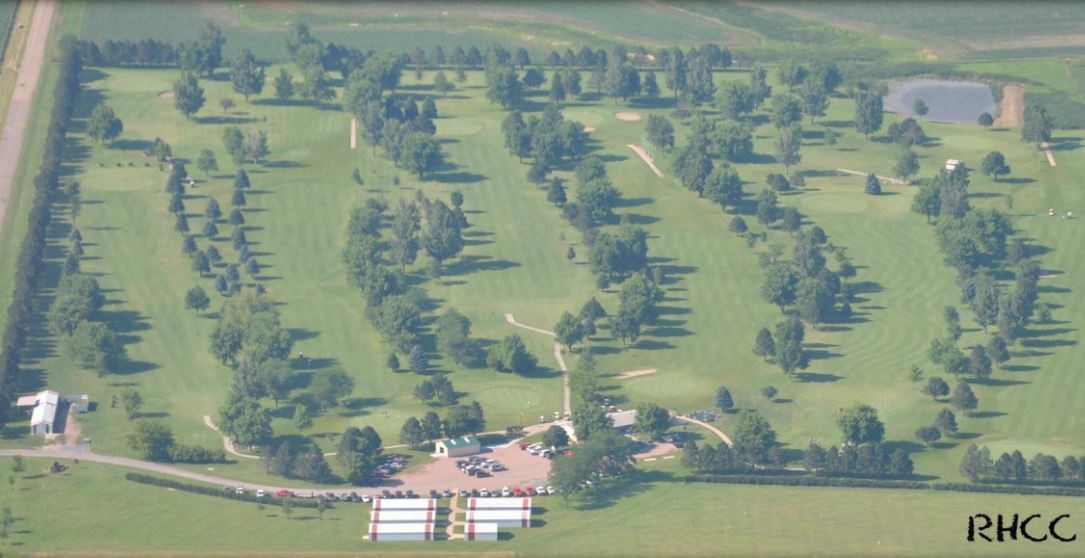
166	95
627	116
635	373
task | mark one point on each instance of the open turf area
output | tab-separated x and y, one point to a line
517	261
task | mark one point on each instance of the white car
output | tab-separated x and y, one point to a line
505	492
365	498
540	490
260	493
240	490
550	490
484	493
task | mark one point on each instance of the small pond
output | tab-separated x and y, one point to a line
947	101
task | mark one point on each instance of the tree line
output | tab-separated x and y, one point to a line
978	465
29	264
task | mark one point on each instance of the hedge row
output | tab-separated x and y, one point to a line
248	496
29	265
780	480
195	454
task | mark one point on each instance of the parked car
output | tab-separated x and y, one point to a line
399	494
482	474
474	493
484	493
447	493
432	493
284	493
260	493
498	467
386	494
524	446
505	491
366	499
240	490
411	494
540	490
529	491
463	493
517	492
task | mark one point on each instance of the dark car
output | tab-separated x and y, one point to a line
433	493
482	474
386	493
447	493
474	493
410	494
399	494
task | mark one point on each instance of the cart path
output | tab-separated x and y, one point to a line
26	81
453	511
1047	151
882	178
227	443
567	397
647	158
711	428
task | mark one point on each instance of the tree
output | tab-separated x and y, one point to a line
996	349
650	87
723	186
567	475
420	153
907	164
764	346
453	332
1037	126
788	144
188	96
417	359
226	103
994	165
985	120
244	420
152	439
652	420
873	185
241	180
503	86
919	107
412	433
284	85
441	84
311	466
196	299
511	355
928	434
860	425
569	330
976	463
738	225
936	387
723	400
753	436
442	239
464	419
329	386
207	162
555	194
979	364
946	422
431	425
555	437
963	398
246	75
93	345
132	401
786	110
779	287
103	124
868	112
589	419
815	100
767	210
660	132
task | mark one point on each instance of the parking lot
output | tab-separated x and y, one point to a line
522	469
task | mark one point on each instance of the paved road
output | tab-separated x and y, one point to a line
26	81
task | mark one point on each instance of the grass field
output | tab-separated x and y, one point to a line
76	513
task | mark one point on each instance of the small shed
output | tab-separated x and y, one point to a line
623	419
458	447
392	532
480	531
502	518
499	503
426	504
402	516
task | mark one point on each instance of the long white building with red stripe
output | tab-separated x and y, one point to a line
393	532
502	518
499	503
480	531
405	504
402	516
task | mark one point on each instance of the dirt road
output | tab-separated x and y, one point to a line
11	138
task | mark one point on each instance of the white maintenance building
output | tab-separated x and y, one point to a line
402	516
394	532
405	504
502	518
499	503
480	531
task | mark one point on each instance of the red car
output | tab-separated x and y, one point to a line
529	491
284	493
523	447
517	492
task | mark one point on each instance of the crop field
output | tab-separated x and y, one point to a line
76	512
974	29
